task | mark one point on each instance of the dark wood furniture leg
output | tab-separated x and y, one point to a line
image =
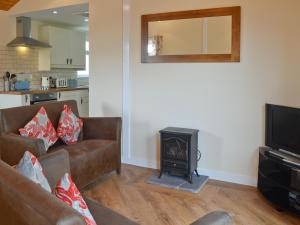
118	171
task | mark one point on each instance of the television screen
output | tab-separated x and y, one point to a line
283	128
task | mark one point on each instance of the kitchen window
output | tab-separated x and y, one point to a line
86	72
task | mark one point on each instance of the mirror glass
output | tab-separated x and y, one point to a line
203	35
195	36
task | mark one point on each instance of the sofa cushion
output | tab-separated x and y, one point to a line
89	159
30	167
40	127
67	191
69	126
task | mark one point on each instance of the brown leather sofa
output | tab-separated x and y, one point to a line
26	203
98	151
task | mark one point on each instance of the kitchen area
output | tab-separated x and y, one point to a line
48	60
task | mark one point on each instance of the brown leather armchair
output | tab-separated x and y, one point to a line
98	151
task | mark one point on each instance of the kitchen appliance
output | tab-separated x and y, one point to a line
45	83
22	85
43	97
61	82
52	82
24	38
23	81
72	83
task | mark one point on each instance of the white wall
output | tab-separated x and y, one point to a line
105	57
224	100
8	27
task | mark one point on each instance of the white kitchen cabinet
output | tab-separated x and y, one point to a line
84	106
68	47
9	101
81	97
66	95
77	49
25	100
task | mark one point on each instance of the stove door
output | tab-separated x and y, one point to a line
175	148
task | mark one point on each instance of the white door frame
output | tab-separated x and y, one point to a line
126	152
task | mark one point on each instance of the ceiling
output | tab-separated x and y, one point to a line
75	15
7	4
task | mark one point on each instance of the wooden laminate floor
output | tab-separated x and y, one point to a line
131	196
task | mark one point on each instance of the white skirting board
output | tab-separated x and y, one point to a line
141	163
229	177
215	175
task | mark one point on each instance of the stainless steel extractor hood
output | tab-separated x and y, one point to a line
23	38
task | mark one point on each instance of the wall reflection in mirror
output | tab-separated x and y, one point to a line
209	35
203	35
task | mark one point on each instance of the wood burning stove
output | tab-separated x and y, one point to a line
179	151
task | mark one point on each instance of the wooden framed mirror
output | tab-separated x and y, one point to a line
206	35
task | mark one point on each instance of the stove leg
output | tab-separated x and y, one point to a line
191	178
160	174
196	171
118	171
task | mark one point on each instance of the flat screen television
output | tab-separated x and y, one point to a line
283	128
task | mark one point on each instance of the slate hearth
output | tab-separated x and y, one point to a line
179	183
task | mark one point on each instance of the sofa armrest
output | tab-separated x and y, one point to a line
105	216
13	146
55	166
24	202
215	218
102	128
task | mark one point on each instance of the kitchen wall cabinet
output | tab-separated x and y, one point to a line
81	97
77	49
68	47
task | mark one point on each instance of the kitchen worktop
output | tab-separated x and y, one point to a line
43	91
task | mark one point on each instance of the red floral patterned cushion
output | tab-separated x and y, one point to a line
69	126
30	167
40	127
67	191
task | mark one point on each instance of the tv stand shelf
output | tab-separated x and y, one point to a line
286	159
279	179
